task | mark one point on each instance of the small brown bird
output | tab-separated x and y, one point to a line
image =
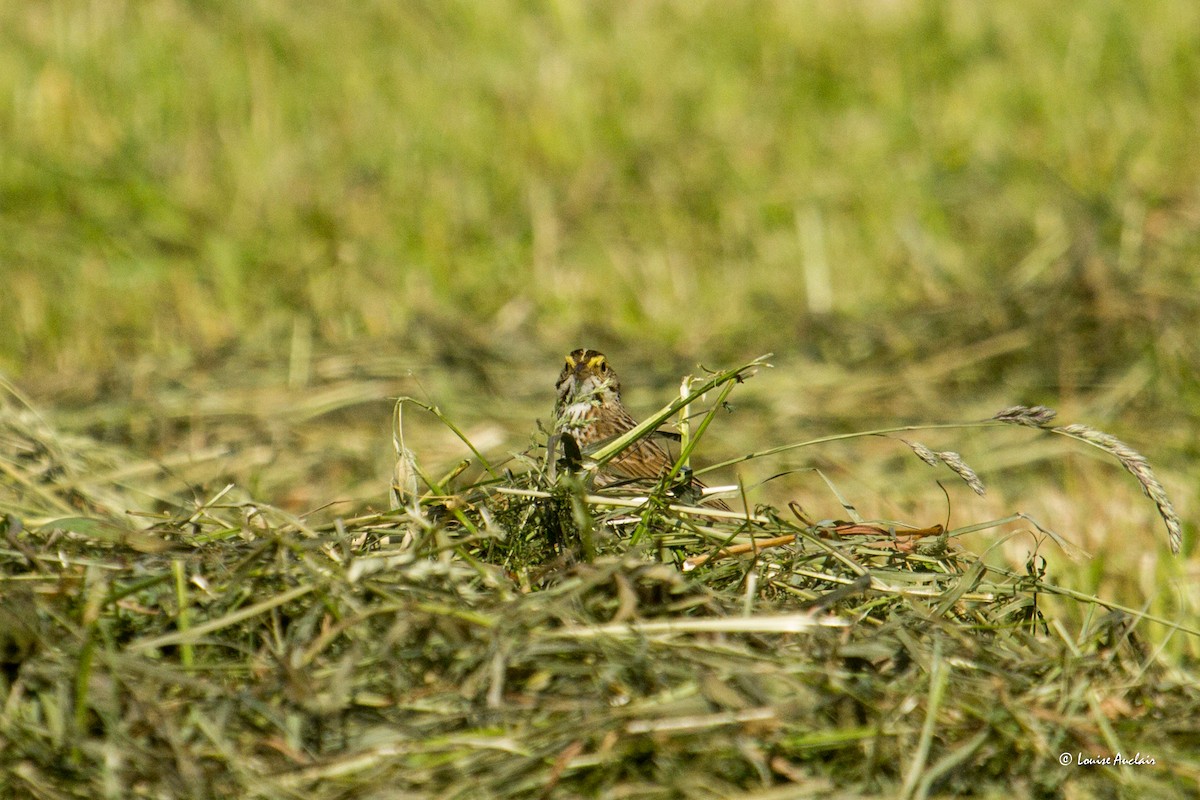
589	409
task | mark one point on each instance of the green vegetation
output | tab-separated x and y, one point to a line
178	178
231	235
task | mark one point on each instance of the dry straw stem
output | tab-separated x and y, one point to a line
789	623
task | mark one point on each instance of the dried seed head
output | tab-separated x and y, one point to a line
1137	466
1029	416
923	452
959	467
404	480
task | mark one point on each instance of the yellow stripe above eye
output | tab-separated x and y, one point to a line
595	361
570	362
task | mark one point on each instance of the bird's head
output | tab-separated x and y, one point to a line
587	376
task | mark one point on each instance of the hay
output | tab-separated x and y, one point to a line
524	638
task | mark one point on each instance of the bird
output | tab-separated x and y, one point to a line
588	408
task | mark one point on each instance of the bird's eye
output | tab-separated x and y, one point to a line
603	367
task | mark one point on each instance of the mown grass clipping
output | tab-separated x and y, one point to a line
509	635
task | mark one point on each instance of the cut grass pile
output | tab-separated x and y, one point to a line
520	637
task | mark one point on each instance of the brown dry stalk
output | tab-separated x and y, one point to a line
844	529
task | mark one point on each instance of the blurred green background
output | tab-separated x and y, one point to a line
247	226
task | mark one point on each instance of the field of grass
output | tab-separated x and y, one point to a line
231	237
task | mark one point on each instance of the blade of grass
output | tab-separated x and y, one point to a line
651	423
192	634
939	677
